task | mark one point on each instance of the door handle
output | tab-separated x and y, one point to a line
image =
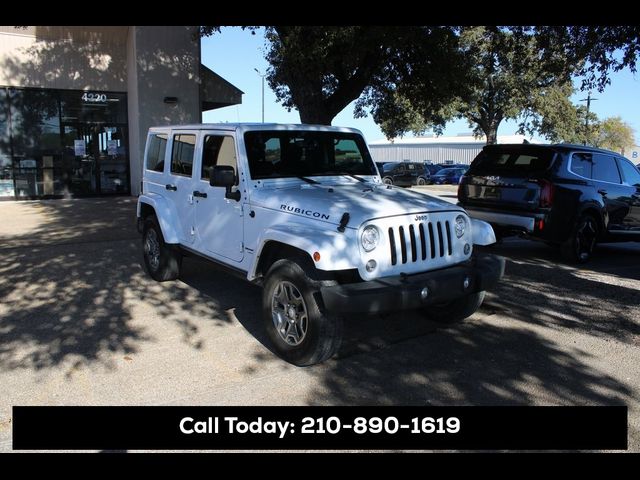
602	192
168	186
199	194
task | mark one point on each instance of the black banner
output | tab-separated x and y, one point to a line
294	428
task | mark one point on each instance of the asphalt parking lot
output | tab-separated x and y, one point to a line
82	324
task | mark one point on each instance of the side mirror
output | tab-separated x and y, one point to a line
225	176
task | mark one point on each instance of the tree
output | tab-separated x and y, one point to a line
553	116
508	76
321	70
591	51
615	134
504	76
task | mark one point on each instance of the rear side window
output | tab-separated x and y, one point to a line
156	152
629	172
605	168
582	164
520	161
182	154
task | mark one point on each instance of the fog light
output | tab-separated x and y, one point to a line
467	248
466	282
424	293
371	266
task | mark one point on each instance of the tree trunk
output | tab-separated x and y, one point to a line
314	115
492	135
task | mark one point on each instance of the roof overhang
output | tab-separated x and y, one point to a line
216	92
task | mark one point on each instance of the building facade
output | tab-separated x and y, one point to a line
460	149
76	103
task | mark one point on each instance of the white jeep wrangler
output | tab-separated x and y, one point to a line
301	210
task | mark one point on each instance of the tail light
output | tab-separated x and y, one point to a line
546	193
460	183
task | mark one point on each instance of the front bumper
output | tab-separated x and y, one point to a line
404	292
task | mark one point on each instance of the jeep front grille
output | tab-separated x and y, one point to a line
420	242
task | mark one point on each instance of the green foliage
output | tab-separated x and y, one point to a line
509	75
614	134
554	117
591	51
320	70
413	78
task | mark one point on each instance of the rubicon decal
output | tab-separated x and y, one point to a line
302	211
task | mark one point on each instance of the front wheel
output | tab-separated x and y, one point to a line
456	310
580	245
296	326
422	181
387	181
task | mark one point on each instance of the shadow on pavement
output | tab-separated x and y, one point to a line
69	286
72	295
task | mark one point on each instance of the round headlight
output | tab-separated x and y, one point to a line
370	238
461	226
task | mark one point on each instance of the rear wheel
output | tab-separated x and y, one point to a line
300	332
580	245
422	181
387	180
456	310
161	260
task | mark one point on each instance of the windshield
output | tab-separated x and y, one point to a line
286	153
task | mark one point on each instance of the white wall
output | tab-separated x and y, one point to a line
166	62
438	153
64	57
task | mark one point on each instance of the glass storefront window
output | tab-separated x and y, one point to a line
6	170
62	143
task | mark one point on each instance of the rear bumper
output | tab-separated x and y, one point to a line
525	222
404	292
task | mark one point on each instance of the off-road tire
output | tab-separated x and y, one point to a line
307	336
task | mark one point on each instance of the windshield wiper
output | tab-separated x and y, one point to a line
308	180
336	172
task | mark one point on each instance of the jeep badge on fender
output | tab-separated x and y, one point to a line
302	211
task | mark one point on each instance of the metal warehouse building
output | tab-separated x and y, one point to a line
459	149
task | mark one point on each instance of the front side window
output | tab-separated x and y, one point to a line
217	150
156	152
182	154
629	172
286	153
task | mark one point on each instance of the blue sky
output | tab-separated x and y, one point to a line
235	53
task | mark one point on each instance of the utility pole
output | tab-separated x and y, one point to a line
262	75
589	99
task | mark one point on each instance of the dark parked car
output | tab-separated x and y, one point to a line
403	174
567	195
448	175
433	168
